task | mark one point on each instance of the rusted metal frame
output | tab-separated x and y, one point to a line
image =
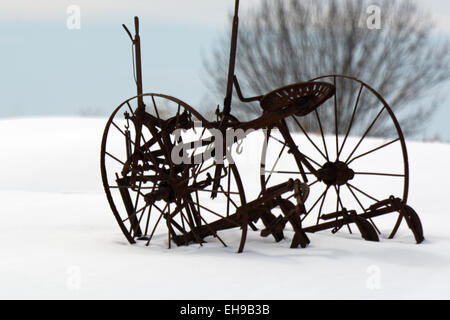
217	214
272	225
147	223
194	211
169	218
128	203
202	143
269	194
241	96
143	118
343	221
139	150
199	218
140	112
211	229
293	216
135	205
244	214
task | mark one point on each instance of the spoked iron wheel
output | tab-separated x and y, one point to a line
355	140
159	195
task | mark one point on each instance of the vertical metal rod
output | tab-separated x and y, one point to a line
141	106
137	47
232	63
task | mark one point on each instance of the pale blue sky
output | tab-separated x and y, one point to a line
47	69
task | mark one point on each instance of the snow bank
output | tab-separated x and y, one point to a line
58	238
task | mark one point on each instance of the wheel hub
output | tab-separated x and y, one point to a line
336	173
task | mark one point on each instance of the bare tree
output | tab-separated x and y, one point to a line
283	42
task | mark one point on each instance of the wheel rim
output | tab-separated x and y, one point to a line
165	203
333	135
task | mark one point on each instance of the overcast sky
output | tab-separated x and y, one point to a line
47	69
206	12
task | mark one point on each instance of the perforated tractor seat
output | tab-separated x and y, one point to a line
308	96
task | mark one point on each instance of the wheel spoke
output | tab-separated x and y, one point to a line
322	134
366	133
275	164
380	174
210	229
311	160
135	214
278	140
321	205
229	198
362	192
216	214
373	150
156	109
351	120
309	138
339	202
228	195
169	228
218	191
156	225
131	109
147	223
288	172
190	219
362	207
113	157
128	187
313	183
315	204
336	124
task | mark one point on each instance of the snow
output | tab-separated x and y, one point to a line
58	238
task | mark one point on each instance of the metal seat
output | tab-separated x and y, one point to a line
307	95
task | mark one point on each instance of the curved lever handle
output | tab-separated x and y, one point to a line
239	92
136	28
128	32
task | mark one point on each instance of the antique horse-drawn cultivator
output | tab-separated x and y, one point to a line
311	180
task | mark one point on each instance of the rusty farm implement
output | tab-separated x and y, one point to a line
316	178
